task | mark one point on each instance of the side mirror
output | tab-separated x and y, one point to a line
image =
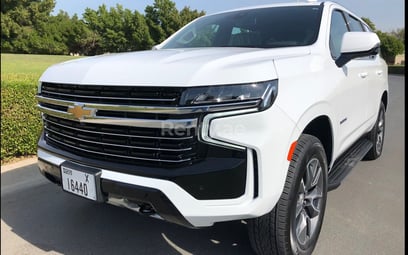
156	47
356	45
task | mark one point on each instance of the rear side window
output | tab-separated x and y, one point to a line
338	27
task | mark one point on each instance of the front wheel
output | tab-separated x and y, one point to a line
294	225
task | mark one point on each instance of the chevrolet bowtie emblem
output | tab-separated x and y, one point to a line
80	112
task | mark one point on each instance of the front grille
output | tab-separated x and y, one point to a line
117	95
123	144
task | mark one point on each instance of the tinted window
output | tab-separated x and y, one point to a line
260	28
338	27
355	24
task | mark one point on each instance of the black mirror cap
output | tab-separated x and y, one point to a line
344	58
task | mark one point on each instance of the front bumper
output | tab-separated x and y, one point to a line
163	196
266	144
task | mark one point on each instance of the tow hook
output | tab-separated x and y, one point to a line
146	209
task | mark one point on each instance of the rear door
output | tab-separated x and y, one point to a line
349	99
374	71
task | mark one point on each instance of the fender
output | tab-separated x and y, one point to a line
314	111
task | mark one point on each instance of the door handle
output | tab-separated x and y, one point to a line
363	75
379	72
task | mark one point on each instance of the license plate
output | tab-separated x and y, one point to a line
78	182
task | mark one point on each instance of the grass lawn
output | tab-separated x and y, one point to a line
20	119
25	64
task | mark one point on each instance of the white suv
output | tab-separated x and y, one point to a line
247	114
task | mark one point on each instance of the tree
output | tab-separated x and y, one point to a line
163	19
187	15
390	46
65	35
9	30
78	37
141	39
392	43
118	29
20	21
369	23
29	27
400	34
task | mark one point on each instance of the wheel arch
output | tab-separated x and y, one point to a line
319	120
321	128
384	99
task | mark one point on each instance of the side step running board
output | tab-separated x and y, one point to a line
345	163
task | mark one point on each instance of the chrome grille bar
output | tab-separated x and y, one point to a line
169	123
122	135
151	109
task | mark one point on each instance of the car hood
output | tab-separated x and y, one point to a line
173	67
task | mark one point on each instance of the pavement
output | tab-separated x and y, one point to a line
365	215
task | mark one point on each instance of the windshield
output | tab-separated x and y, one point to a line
257	28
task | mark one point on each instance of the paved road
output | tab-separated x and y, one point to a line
364	216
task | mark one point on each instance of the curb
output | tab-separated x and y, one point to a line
19	164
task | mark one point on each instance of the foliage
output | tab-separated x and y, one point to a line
162	19
369	23
400	34
29	27
392	43
118	29
187	15
396	69
21	122
390	46
21	22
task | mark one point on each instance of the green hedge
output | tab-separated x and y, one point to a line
396	70
21	122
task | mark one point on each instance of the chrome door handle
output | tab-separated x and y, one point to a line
363	75
379	72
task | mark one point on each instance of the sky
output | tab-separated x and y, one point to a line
387	15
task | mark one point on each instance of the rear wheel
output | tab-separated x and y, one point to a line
293	226
376	135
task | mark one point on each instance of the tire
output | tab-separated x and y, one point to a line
376	136
301	205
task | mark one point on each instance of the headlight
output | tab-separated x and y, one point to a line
261	94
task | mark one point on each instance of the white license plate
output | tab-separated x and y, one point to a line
77	182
